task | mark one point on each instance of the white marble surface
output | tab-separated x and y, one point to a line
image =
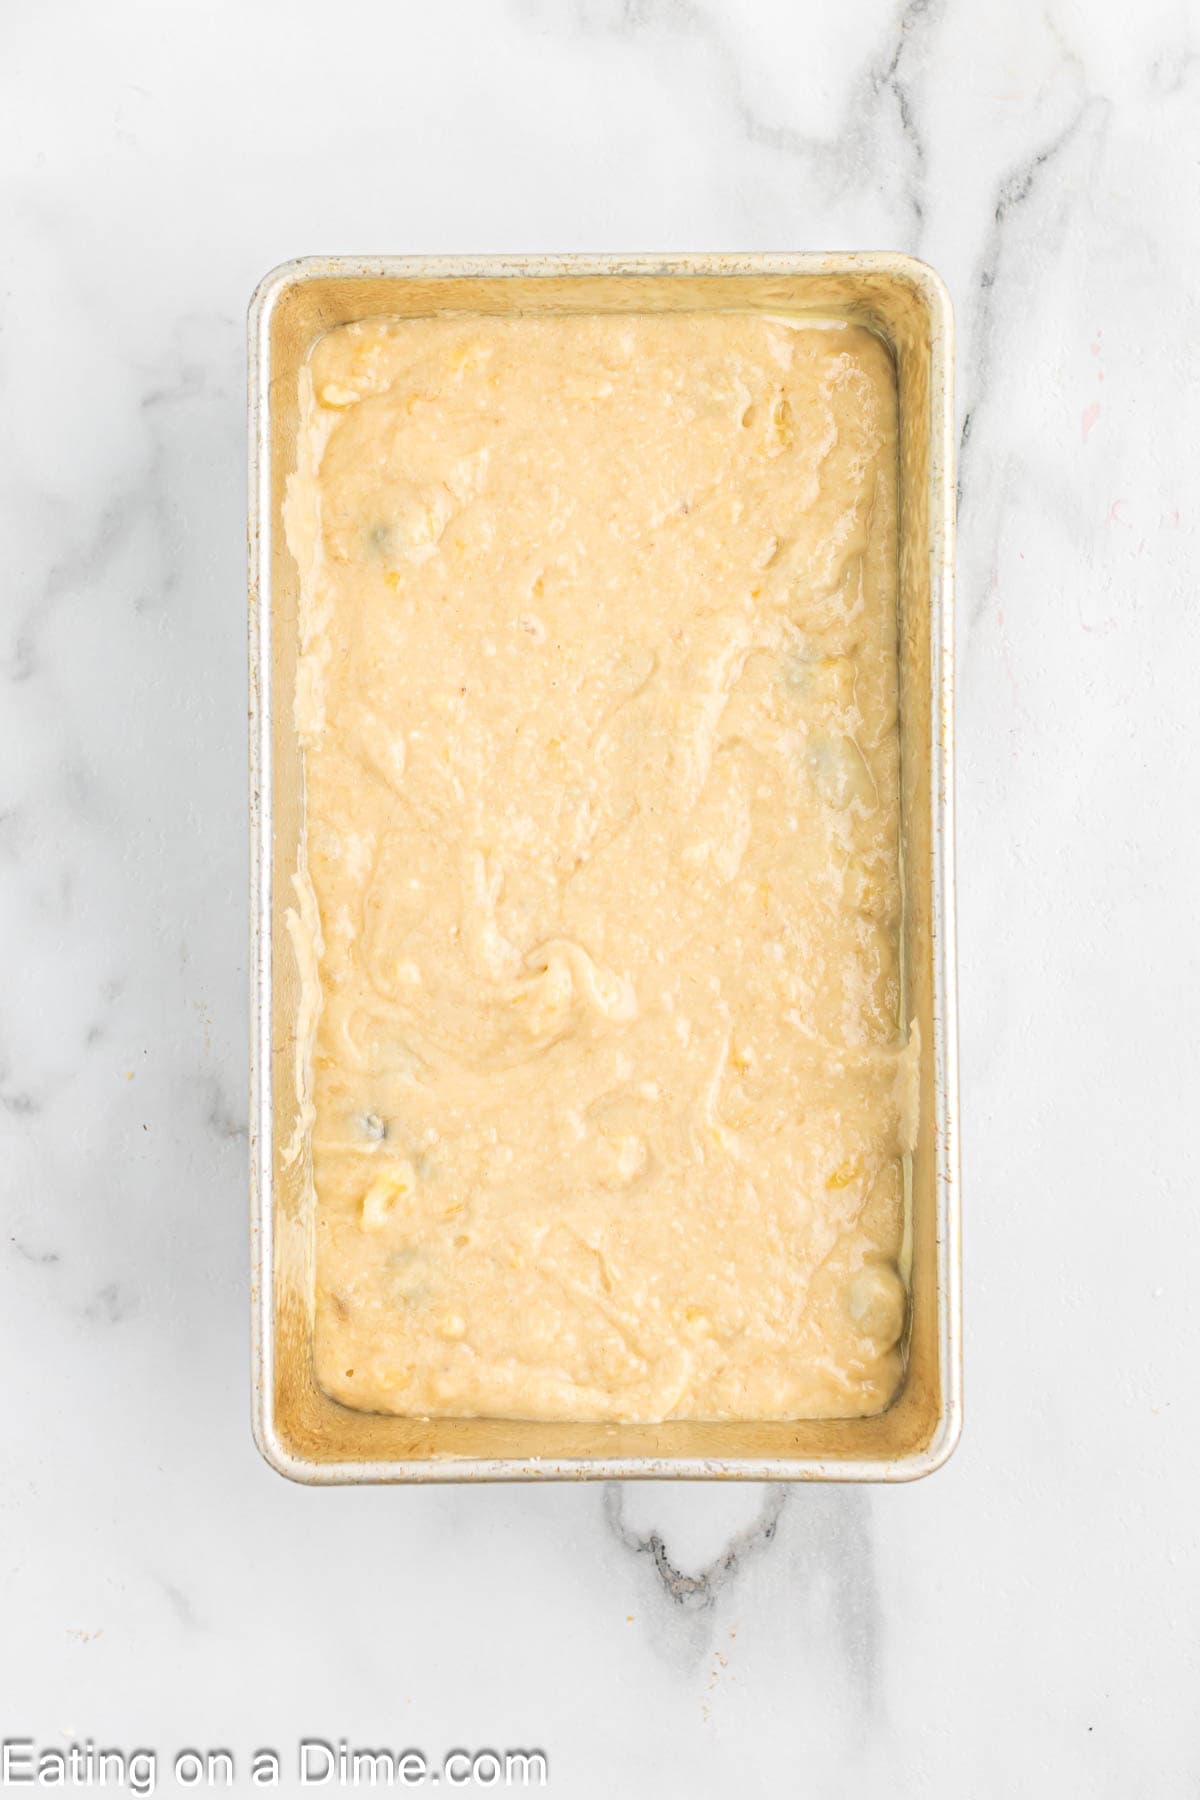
1026	1621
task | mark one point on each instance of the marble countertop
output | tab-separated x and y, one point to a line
1026	1620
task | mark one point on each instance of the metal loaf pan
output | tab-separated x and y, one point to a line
302	1432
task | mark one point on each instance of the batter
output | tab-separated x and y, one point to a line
601	1051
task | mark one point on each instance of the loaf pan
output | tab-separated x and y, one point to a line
299	1429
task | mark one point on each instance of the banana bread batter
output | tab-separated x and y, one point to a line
602	1055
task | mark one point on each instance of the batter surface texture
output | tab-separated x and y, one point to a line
601	1044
